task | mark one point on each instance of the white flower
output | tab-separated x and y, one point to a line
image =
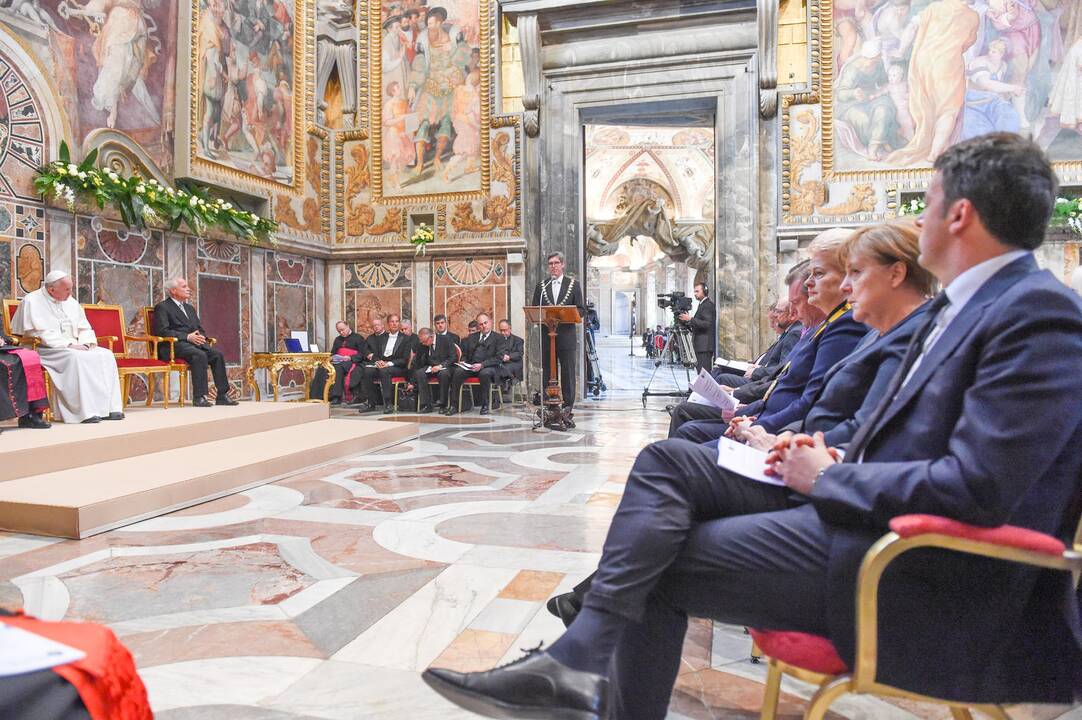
227	206
193	201
82	175
140	189
202	202
73	169
253	216
170	191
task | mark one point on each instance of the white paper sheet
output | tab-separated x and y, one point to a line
708	389
744	461
23	652
315	348
734	364
302	336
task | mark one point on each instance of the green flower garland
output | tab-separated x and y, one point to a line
1066	213
142	202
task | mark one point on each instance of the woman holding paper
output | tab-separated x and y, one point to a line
888	291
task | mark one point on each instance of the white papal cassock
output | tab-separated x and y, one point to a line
85	382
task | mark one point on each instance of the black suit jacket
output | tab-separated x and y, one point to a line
372	346
475	351
171	321
775	355
570	294
440	352
512	346
704	326
400	353
455	339
353	341
986	431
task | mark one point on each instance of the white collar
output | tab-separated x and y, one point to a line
179	303
965	286
392	335
556	280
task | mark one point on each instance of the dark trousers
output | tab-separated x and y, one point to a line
319	379
733	381
377	383
489	376
688	411
566	358
199	358
459	377
702	430
704	360
692	539
420	379
509	372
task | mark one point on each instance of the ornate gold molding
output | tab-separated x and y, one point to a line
375	109
342	202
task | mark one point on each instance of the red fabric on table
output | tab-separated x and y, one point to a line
35	375
105	679
909	526
810	652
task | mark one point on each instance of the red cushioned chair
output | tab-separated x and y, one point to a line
10	306
813	658
178	364
108	324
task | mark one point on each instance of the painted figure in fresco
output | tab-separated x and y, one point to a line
937	77
1017	25
123	54
1065	104
989	97
898	90
432	86
31	10
398	148
466	118
866	114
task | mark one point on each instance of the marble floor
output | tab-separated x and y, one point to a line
324	595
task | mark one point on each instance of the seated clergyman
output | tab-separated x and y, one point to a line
84	376
21	373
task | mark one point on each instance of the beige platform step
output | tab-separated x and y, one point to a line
83	501
145	430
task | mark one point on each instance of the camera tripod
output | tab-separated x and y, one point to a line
678	346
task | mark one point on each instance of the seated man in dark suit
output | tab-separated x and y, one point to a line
510	353
808	315
433	358
389	361
788	328
369	354
1002	344
175	317
478	352
353	344
439	325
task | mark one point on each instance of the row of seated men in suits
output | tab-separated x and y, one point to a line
492	356
84	375
889	403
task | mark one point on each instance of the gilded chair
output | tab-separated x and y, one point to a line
180	365
813	659
10	306
108	324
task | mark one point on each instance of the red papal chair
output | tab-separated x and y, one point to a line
10	306
108	324
813	658
178	364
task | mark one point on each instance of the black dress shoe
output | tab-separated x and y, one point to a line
35	421
537	686
335	403
201	402
565	606
114	416
484	410
425	409
224	400
451	411
388	409
363	408
91	420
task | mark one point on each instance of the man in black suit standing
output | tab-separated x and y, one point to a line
557	289
510	352
479	352
980	424
704	328
390	357
174	317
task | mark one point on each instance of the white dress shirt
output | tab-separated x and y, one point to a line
554	288
959	293
388	349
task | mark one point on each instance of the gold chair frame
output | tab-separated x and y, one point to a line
862	679
182	368
150	371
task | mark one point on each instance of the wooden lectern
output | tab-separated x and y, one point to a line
552	413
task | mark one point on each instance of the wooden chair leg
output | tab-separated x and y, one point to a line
396	386
961	713
821	701
167	380
125	386
150	388
771	692
756	653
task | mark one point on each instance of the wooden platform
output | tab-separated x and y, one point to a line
80	480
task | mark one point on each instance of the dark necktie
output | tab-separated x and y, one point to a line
916	346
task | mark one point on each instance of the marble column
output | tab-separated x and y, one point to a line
258	287
516	281
322	336
422	293
335	299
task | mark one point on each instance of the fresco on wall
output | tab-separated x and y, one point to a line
912	77
112	63
245	81
430	84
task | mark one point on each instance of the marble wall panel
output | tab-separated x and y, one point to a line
364	304
29	267
224	322
7	267
464	287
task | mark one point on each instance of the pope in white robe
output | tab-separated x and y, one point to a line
84	376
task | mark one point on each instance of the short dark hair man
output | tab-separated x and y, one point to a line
558	289
953	437
703	328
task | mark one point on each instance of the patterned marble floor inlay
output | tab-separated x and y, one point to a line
325	594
